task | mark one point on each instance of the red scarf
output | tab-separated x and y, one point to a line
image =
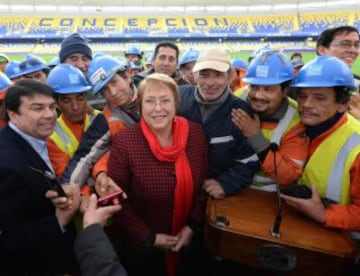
183	196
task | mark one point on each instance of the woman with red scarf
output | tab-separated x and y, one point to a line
161	163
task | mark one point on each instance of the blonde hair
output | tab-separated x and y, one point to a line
157	81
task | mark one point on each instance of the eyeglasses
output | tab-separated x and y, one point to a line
154	102
346	44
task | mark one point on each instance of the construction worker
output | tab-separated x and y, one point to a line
75	50
232	162
70	88
111	78
333	168
133	53
274	130
186	64
12	70
5	82
238	71
34	67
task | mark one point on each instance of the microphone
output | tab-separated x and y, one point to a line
275	230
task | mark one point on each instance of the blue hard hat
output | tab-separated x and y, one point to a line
269	68
325	71
239	63
31	64
12	69
54	61
133	51
5	82
102	69
67	79
189	56
260	50
98	54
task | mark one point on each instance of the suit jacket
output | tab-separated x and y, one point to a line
96	254
31	240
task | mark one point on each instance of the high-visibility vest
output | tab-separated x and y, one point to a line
329	166
291	118
63	136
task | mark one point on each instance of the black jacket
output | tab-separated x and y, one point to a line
31	240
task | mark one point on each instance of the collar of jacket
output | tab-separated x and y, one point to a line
314	131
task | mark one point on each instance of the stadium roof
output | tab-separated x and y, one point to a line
171	7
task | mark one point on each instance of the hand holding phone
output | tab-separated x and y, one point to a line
299	191
111	199
54	183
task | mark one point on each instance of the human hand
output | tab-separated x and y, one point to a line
100	215
184	235
66	207
213	188
312	207
248	125
104	185
165	241
354	105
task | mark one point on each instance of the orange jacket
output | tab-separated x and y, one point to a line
60	159
101	165
293	146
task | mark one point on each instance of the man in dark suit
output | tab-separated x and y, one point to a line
36	238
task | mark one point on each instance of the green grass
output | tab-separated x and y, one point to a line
306	57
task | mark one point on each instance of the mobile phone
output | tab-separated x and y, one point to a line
110	199
54	183
300	191
51	181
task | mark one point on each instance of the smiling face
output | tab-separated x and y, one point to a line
36	116
165	61
158	107
211	83
318	105
80	61
266	99
338	47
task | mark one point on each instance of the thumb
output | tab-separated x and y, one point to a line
103	185
315	192
92	202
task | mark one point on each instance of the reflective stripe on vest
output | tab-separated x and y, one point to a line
63	136
114	123
329	166
222	139
290	119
